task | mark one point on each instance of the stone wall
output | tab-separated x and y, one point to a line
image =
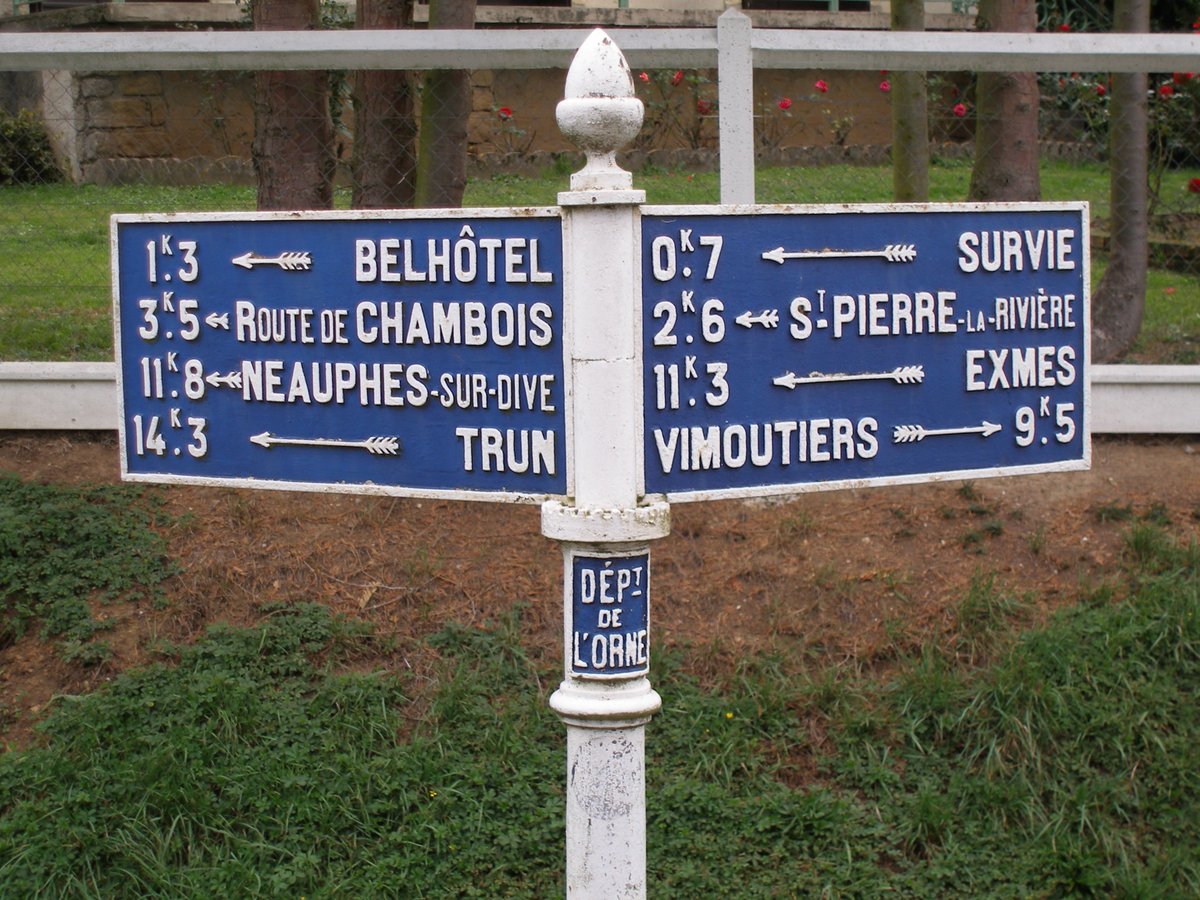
166	125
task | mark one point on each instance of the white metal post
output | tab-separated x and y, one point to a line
605	698
735	87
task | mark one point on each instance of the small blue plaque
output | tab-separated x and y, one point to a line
610	615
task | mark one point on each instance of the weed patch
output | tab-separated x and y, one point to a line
60	546
245	766
1060	761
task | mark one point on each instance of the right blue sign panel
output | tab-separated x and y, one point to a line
791	349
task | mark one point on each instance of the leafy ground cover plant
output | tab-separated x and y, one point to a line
245	766
60	547
1057	761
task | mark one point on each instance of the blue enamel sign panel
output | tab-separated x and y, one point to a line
410	355
791	349
610	614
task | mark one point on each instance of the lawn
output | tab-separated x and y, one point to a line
55	294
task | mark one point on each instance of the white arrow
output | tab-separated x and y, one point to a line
377	446
896	253
768	318
911	434
213	320
232	380
291	261
900	375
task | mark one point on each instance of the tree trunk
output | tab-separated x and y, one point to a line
1006	115
446	104
384	157
910	115
1120	299
293	131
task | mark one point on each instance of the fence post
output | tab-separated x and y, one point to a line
605	698
735	106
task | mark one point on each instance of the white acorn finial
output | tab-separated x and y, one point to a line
600	113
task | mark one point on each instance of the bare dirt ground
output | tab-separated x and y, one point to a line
828	578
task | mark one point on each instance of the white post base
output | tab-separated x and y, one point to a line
606	813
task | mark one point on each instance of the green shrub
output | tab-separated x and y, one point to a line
25	153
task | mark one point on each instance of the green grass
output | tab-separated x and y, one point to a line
55	293
1171	327
1055	762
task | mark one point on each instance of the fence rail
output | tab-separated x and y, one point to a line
547	49
83	397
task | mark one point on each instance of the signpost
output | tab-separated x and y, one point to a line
407	354
501	355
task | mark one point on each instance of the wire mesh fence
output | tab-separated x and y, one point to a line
77	146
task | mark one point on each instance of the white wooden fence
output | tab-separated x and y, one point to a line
1125	399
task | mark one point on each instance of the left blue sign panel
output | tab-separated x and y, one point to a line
412	356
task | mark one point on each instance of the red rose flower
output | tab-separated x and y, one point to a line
1064	27
822	87
1194	186
885	86
1101	90
644	78
704	107
677	77
1166	90
504	113
960	109
785	103
1182	77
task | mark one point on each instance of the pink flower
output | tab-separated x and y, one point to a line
504	113
704	107
785	103
644	78
822	87
885	85
960	109
1194	186
677	77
